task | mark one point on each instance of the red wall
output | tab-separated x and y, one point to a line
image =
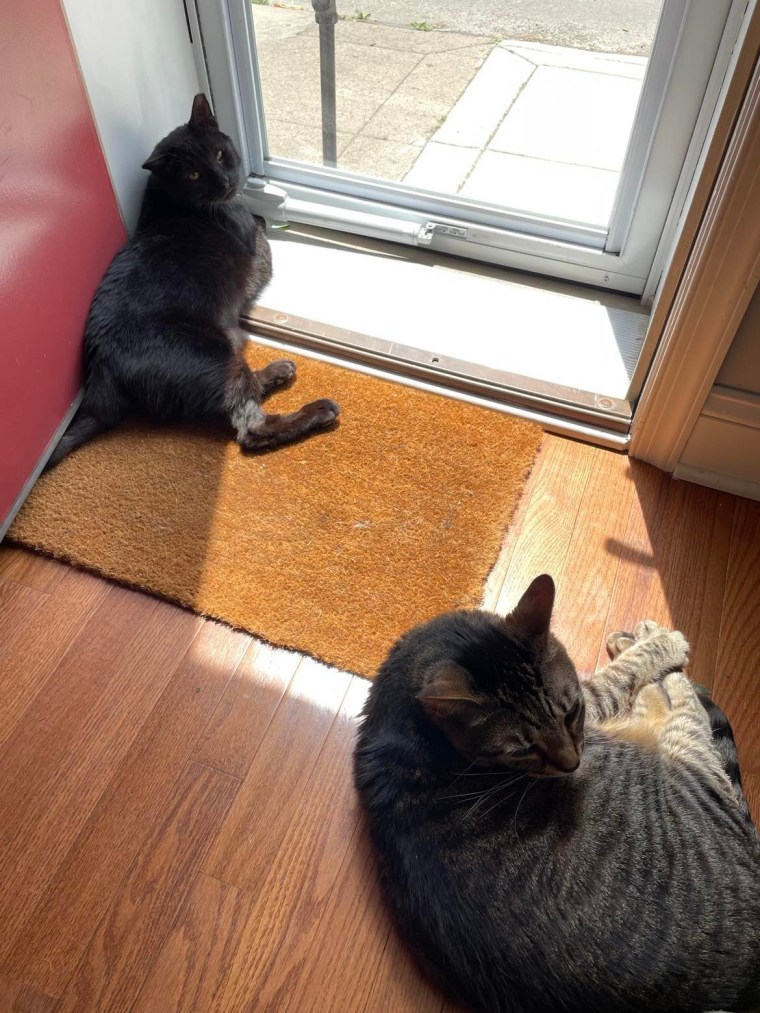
59	227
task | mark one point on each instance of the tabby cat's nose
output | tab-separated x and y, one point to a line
564	758
566	764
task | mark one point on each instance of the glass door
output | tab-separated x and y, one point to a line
487	132
536	130
553	158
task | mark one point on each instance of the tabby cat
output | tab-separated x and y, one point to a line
162	338
546	845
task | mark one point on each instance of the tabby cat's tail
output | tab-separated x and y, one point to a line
83	427
723	738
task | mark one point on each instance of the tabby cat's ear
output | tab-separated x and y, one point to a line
533	613
201	115
448	694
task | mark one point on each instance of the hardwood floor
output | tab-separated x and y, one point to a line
179	830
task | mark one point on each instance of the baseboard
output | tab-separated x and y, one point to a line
717	480
732	405
37	470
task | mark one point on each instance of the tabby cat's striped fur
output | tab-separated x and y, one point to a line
629	883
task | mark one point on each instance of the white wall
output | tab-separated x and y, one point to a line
138	66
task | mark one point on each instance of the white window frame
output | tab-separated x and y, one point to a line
655	177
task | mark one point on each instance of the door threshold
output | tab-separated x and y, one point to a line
606	426
559	352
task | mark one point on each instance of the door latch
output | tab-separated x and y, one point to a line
431	229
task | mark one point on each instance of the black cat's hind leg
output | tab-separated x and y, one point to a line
82	428
101	409
276	374
255	429
724	744
270	431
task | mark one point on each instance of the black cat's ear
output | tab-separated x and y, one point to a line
448	694
533	613
201	116
155	163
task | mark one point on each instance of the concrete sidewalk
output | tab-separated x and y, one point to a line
532	127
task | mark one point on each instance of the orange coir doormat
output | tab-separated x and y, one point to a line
334	546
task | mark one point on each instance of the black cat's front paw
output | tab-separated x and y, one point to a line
281	370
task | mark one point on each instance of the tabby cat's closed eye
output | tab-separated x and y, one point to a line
521	754
573	715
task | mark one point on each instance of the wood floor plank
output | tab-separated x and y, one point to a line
673	561
291	901
36	631
9	559
16	997
587	578
29	568
737	682
56	935
496	578
639	591
16	604
338	971
70	741
124	946
399	985
549	520
195	958
242	716
243	853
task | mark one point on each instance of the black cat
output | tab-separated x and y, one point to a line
550	846
162	338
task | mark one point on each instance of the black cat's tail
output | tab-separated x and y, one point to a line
723	738
82	427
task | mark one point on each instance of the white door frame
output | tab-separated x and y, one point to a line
711	279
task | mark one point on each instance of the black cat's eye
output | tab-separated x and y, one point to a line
219	155
193	176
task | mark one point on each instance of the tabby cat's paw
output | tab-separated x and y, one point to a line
662	650
618	642
647	628
621	640
666	650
